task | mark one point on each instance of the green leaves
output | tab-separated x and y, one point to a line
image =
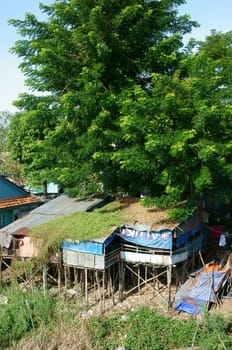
118	108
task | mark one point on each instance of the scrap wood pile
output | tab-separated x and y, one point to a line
206	288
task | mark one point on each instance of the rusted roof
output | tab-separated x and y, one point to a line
18	201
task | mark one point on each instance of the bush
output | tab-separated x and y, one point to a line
22	313
141	329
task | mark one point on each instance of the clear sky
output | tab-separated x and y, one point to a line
211	14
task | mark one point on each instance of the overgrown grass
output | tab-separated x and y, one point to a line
79	226
147	329
55	321
22	313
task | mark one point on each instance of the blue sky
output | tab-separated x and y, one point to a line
211	14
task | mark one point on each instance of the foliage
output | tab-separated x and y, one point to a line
147	329
179	212
219	329
5	118
144	328
23	313
122	104
92	63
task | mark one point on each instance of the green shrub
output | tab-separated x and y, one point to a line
23	312
139	330
215	333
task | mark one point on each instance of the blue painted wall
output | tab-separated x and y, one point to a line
9	189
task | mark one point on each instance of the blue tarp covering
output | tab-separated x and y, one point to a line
92	247
207	283
191	306
186	236
152	239
203	291
83	246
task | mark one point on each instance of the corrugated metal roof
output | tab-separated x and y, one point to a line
18	201
58	207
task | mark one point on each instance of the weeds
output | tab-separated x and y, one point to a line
56	321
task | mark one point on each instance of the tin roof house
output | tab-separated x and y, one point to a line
15	202
15	238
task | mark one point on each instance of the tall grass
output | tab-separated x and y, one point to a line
57	322
21	313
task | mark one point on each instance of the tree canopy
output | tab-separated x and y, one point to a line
118	101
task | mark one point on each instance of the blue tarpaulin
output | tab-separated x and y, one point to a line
92	247
83	246
202	292
152	239
191	306
184	237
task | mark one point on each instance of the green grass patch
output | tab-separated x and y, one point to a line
79	226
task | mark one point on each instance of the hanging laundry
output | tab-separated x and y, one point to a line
222	240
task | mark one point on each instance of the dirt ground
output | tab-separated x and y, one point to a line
136	213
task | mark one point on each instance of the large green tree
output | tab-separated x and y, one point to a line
192	155
96	64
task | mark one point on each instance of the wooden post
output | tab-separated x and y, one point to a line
138	278
108	283
59	267
86	286
169	282
99	289
153	274
145	278
31	279
75	277
111	287
103	287
121	281
44	278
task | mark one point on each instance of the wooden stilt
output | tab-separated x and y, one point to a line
75	278
76	282
86	287
138	278
145	278
108	283
31	279
111	287
103	292
59	268
65	280
121	281
169	283
44	267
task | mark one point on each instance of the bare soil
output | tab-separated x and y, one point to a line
137	213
